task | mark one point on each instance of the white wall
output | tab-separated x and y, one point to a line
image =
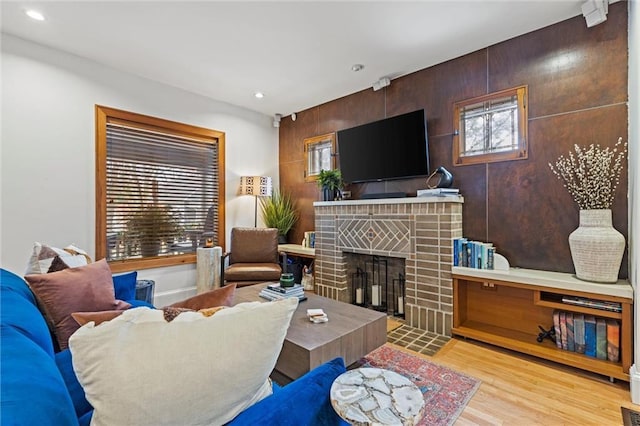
48	150
634	183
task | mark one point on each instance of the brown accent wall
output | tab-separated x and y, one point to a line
577	78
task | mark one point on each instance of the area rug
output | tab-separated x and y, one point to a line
446	392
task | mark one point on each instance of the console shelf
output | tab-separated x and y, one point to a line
505	309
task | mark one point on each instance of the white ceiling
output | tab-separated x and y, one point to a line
299	53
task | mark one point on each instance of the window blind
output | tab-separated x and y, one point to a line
162	192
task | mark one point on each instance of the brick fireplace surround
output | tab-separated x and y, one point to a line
420	230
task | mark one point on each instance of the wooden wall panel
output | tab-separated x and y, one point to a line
577	78
567	66
436	88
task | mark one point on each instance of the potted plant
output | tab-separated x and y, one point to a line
152	225
278	211
330	181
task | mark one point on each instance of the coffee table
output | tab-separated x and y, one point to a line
351	333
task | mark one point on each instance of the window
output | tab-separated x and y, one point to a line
491	127
318	154
159	190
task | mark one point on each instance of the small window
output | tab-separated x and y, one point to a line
159	190
491	128
318	153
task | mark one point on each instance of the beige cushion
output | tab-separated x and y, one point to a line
137	369
80	289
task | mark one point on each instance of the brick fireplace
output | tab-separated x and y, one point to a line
419	230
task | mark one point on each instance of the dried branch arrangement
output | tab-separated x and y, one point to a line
592	175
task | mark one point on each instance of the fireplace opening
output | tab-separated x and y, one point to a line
377	282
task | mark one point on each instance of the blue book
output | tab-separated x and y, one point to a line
456	251
601	338
590	335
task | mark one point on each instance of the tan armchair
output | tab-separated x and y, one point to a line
253	257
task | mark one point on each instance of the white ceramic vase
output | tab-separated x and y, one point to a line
596	247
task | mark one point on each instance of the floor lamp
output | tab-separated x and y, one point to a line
258	186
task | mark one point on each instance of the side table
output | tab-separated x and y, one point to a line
376	396
144	290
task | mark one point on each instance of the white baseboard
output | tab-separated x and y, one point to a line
168	297
634	384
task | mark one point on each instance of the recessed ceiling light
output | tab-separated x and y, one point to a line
259	95
34	14
357	67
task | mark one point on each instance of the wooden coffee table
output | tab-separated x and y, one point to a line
351	333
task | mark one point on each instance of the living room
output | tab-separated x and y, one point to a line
48	156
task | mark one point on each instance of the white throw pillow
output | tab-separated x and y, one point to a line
195	370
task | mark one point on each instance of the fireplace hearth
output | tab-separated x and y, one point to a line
408	240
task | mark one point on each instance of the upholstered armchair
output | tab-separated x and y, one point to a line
253	257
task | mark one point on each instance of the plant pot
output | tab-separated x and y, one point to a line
150	248
596	247
282	239
330	194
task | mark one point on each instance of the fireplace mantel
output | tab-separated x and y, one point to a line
418	229
407	200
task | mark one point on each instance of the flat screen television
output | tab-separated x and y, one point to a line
393	148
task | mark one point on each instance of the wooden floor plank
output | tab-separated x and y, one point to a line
521	390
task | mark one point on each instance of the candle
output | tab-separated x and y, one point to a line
400	305
375	295
359	296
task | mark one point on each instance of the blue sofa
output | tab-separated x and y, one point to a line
38	386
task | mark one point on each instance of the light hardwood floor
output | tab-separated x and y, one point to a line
521	390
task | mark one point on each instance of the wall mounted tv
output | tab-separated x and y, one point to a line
393	148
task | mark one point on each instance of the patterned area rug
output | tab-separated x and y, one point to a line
446	392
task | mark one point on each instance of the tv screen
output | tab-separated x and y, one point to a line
393	148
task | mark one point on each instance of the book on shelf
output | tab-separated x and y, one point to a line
571	342
590	335
601	338
563	330
296	288
556	327
613	340
578	332
437	192
309	240
473	254
592	303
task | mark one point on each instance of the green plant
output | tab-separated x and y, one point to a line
278	211
330	179
152	225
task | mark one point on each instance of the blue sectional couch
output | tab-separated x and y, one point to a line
38	386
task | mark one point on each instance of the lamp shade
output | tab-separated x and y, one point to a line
256	185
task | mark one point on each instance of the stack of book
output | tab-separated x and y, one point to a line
276	292
587	334
592	303
438	192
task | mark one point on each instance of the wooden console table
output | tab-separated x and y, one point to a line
297	250
505	308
